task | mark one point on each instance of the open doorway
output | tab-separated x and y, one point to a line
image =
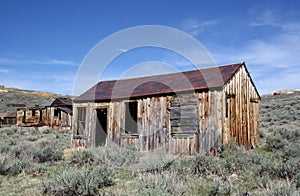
131	108
101	127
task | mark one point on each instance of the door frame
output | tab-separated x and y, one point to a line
96	125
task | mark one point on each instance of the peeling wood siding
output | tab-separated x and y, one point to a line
156	123
47	118
241	125
210	118
30	119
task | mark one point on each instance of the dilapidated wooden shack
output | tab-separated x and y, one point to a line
57	115
179	113
8	119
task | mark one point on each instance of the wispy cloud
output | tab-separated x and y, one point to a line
41	61
195	27
271	18
4	71
266	18
20	72
57	82
122	50
273	60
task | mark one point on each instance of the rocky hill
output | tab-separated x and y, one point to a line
12	98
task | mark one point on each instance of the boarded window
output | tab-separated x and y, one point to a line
81	122
183	114
131	117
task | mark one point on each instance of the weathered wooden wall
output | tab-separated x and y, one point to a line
47	118
63	120
152	123
197	127
30	119
184	124
241	121
9	121
210	120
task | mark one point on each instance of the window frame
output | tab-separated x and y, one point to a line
81	120
128	119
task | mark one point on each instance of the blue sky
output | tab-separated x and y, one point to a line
42	43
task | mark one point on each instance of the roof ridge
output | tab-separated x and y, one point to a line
179	72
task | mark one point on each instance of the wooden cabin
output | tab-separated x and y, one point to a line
8	119
57	115
60	113
179	113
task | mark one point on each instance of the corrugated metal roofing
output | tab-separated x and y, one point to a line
160	84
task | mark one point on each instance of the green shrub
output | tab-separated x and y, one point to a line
153	164
13	141
292	150
281	190
19	166
165	183
3	165
81	158
46	155
220	188
297	180
32	138
204	165
275	142
182	165
86	181
198	186
115	156
289	134
16	151
262	181
4	148
287	169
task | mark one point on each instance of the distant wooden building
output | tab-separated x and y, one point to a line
178	113
60	113
57	115
7	119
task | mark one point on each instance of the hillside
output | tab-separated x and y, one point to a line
12	96
36	163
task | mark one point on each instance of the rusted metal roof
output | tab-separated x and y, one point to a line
61	101
160	84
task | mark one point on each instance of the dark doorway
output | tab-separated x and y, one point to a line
101	127
41	115
131	117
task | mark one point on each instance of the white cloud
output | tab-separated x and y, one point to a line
123	50
195	27
266	18
61	82
280	80
42	61
59	62
4	71
273	60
